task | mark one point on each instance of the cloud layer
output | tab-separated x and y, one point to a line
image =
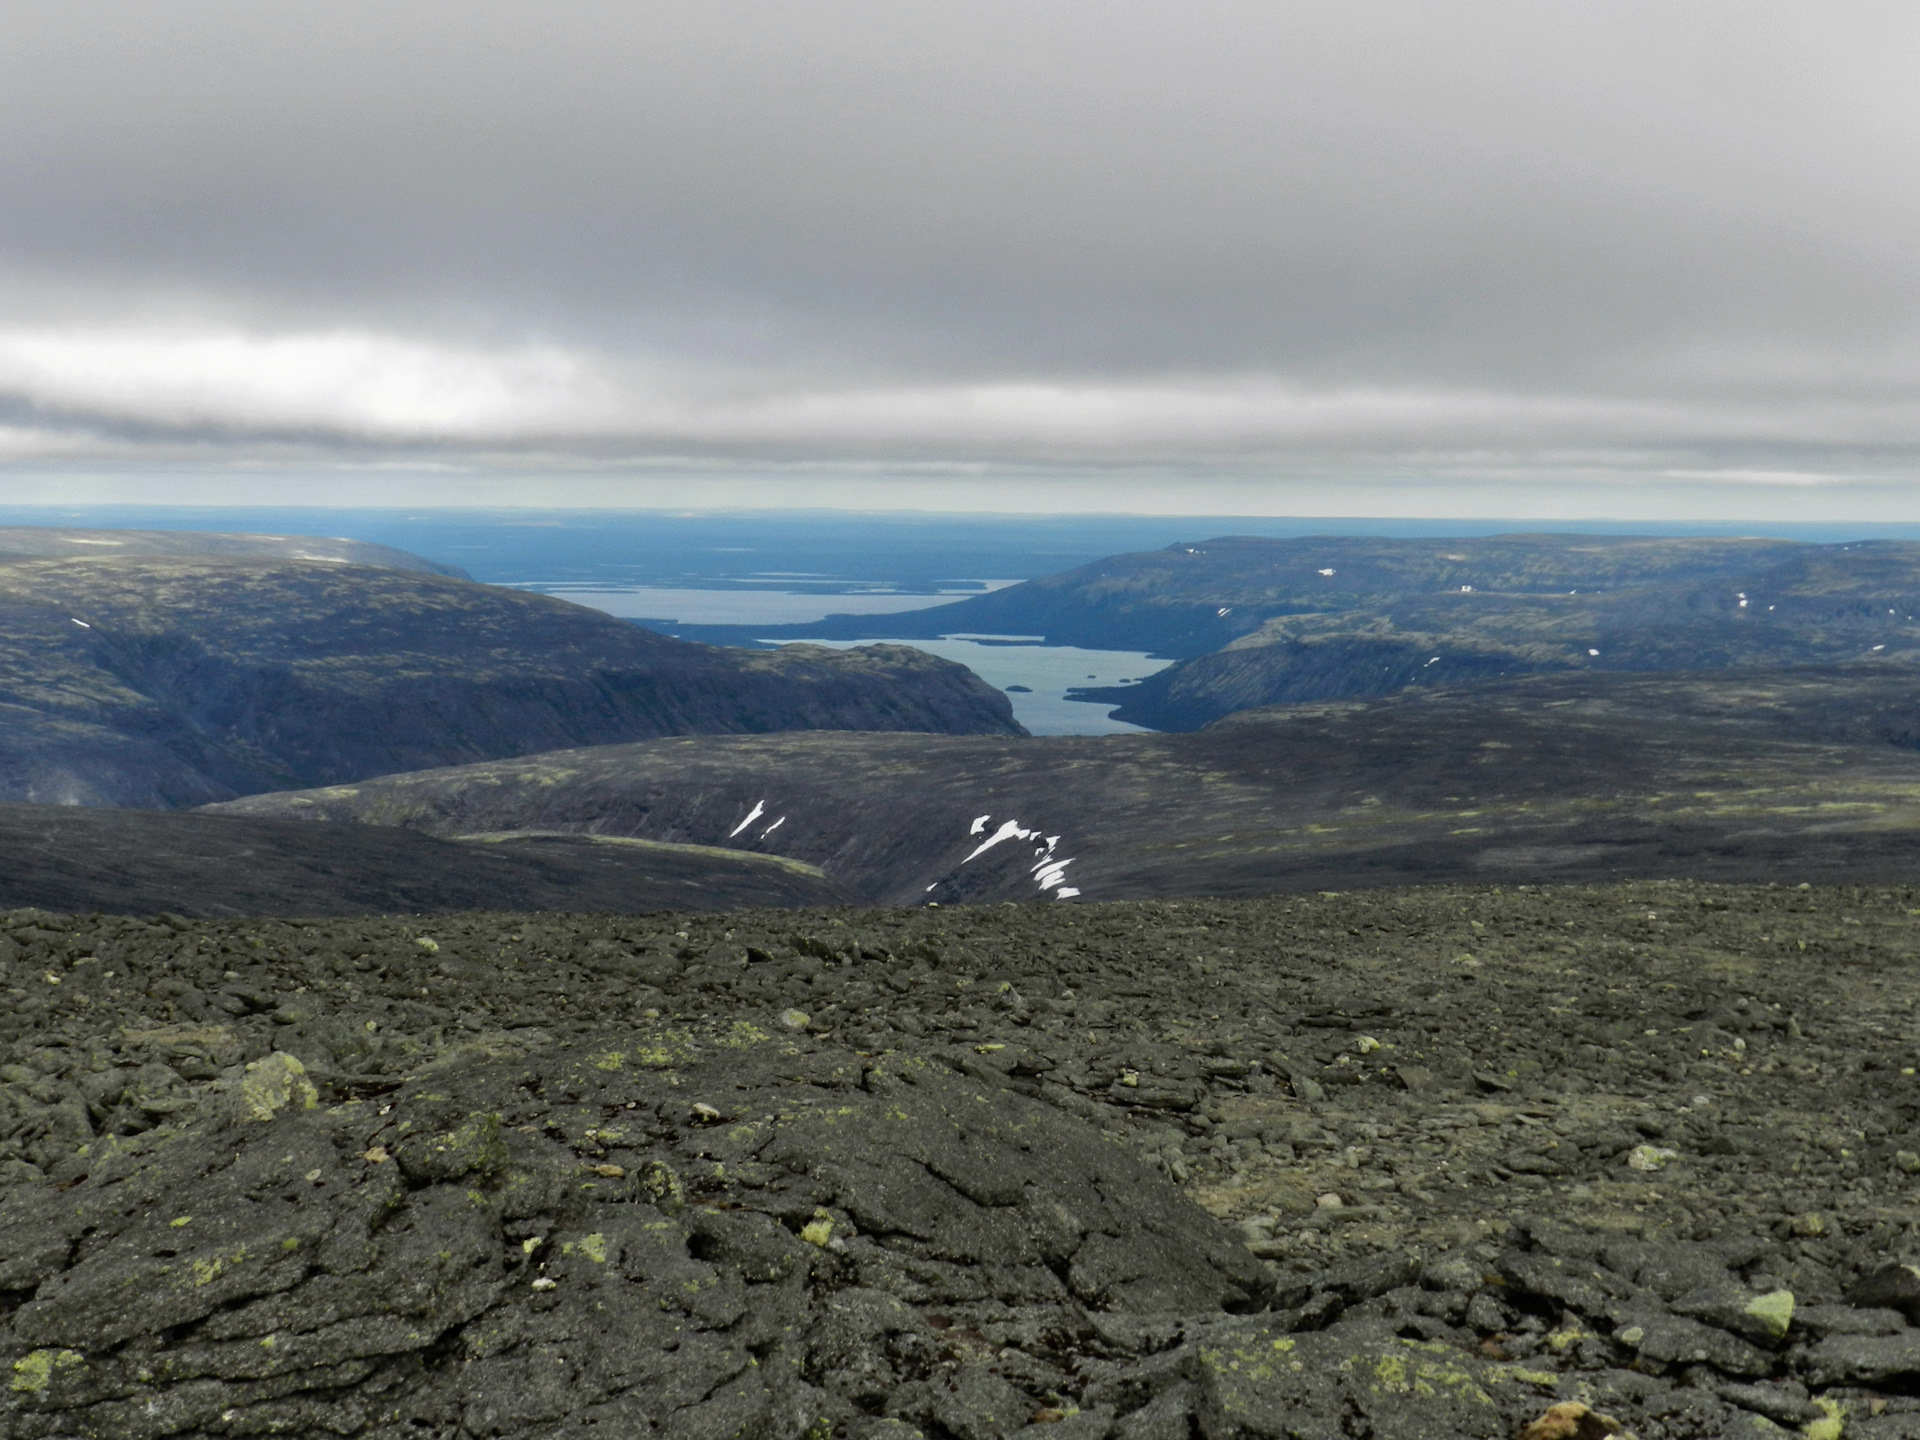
1498	240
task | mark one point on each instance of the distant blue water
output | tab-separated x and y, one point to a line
826	552
1037	678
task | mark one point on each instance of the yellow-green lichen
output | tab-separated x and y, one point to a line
1774	1311
34	1372
1832	1423
277	1083
205	1272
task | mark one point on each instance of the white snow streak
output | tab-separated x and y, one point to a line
759	809
773	827
1047	872
1010	830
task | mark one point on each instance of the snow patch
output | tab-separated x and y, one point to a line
1047	872
1010	830
759	809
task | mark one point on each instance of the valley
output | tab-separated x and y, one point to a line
1522	1048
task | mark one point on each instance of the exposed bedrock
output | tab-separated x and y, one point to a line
1435	1163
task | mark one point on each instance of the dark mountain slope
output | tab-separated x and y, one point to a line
1802	773
164	682
54	542
141	862
1808	605
1272	622
1193	598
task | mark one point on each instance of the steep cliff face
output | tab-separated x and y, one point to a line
161	682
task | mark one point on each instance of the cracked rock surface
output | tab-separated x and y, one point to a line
1429	1163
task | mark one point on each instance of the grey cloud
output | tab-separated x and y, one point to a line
1656	234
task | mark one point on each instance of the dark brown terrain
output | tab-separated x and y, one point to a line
1746	775
1405	1163
140	862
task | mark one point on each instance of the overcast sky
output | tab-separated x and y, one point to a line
1611	258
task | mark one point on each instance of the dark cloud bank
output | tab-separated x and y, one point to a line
1479	242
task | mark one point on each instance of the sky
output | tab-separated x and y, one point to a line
1625	259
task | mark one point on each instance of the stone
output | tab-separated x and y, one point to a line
459	1272
1361	1280
1254	1382
273	1084
1763	1319
1861	1359
1093	1424
1820	1321
978	1405
1676	1340
1485	1315
612	1254
1570	1420
1570	1284
1891	1287
1784	1402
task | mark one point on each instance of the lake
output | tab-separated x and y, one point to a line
1048	671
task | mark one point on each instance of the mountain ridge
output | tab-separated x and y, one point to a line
1252	621
66	542
167	681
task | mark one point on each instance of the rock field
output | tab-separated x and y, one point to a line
1446	1162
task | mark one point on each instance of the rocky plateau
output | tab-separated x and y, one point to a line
1439	1162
